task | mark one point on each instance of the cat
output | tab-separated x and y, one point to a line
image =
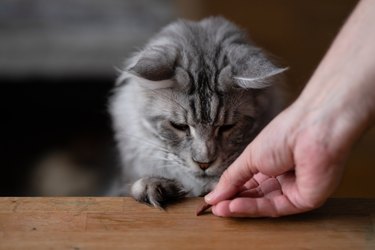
186	105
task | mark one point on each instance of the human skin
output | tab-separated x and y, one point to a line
297	161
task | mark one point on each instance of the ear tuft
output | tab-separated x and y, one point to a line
258	82
251	69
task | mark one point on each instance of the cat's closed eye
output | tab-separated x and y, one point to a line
179	126
226	128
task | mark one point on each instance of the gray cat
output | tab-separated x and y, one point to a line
187	105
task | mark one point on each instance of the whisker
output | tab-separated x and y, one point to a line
157	147
148	142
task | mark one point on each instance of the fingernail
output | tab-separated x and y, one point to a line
209	197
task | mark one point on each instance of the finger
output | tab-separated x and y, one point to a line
268	153
253	193
250	187
256	207
252	183
268	188
255	181
259	177
233	179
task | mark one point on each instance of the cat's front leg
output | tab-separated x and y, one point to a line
157	191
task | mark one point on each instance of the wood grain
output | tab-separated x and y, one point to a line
121	223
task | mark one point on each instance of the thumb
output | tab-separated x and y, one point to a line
233	178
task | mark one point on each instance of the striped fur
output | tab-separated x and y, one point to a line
187	105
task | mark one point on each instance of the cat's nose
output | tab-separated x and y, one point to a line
203	165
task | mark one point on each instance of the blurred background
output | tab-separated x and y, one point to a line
59	60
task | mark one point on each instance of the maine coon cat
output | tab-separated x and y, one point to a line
186	105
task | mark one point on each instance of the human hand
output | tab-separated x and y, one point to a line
297	161
293	166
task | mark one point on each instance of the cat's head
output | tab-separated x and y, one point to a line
208	91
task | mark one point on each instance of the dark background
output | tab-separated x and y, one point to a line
43	114
58	63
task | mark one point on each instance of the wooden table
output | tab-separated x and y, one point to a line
121	223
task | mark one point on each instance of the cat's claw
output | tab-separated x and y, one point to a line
157	191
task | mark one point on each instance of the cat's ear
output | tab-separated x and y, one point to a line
251	69
156	63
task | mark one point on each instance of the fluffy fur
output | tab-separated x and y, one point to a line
187	105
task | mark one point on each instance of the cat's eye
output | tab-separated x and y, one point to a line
226	128
178	126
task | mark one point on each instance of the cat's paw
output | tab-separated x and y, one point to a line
157	191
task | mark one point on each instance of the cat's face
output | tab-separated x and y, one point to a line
205	93
203	132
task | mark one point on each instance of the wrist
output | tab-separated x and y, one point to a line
339	112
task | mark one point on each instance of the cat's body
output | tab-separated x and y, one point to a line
187	105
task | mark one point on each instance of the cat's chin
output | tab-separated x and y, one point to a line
204	175
201	175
